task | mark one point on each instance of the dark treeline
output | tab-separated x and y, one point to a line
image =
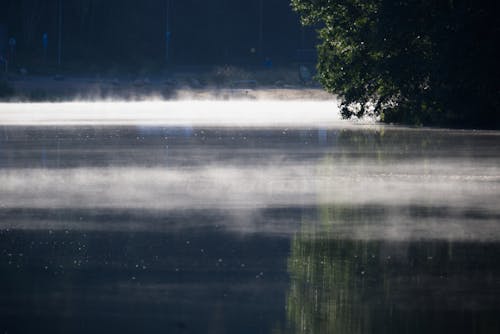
131	31
424	62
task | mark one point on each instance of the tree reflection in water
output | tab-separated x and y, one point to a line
342	285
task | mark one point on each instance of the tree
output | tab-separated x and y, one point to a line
31	17
421	62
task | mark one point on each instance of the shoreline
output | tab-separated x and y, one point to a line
177	85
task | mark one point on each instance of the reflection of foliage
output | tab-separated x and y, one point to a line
328	279
390	143
360	286
326	293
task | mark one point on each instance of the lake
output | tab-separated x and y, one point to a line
243	217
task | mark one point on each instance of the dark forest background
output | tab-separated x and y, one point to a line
419	62
131	31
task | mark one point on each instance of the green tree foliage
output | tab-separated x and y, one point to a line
422	62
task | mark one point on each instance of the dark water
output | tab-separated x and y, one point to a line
191	230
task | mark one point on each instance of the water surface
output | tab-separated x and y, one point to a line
207	227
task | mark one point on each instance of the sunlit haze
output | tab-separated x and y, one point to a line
175	113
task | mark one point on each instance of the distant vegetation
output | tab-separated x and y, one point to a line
6	90
126	34
419	62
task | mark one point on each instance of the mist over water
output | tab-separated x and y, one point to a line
275	211
249	189
174	113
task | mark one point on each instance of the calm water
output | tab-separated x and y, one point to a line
128	229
